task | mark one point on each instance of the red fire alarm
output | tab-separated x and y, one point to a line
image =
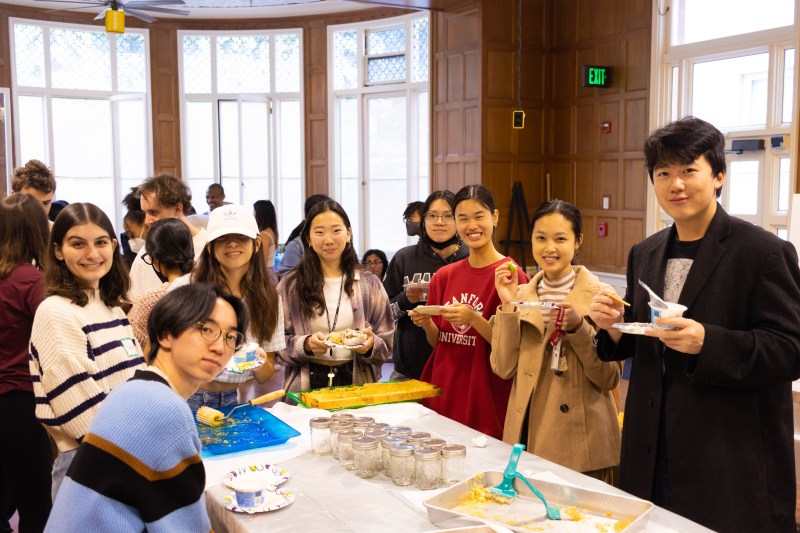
602	229
605	126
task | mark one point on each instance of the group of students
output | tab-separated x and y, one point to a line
708	427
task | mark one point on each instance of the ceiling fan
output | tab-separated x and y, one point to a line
114	11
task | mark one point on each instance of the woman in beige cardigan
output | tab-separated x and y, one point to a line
561	405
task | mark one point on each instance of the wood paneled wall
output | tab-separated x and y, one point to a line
584	164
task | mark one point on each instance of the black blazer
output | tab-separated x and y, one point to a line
726	413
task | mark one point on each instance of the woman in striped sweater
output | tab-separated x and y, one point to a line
561	404
82	345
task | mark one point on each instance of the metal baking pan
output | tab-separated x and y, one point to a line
598	511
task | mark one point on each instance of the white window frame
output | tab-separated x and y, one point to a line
364	91
665	57
48	93
274	100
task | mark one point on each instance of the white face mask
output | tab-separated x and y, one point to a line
136	244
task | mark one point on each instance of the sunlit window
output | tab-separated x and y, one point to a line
701	20
743	102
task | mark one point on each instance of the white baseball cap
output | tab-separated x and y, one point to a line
231	218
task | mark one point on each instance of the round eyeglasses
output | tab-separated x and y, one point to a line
376	262
433	217
211	332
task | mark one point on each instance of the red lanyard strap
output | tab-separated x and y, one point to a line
558	334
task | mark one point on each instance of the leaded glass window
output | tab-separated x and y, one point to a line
345	59
80	59
131	64
243	64
29	48
196	64
420	54
287	63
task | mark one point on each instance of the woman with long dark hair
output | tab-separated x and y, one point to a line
328	292
25	457
82	344
471	393
267	222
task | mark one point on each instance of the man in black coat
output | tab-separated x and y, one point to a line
708	424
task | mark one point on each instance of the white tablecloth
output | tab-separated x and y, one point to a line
329	499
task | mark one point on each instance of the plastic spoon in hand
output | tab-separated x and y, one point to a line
655	299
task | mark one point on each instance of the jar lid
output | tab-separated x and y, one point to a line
379	425
426	453
363	421
342	416
400	430
401	450
391	440
349	436
320	422
365	443
376	432
433	443
418	436
454	449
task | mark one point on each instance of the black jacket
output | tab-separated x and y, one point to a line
726	418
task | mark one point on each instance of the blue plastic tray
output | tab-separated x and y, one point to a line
249	428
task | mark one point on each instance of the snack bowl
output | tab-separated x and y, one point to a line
673	310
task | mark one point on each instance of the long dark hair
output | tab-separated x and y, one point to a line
307	281
23	233
169	241
448	197
266	217
61	282
257	289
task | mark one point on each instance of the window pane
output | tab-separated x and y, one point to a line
131	63
229	149
82	138
348	138
32	140
423	141
743	188
80	60
743	102
290	141
200	141
255	140
291	207
784	185
783	233
386	69
196	64
97	191
132	133
701	20
420	55
673	112
788	86
387	172
386	41
243	64
29	55
287	63
345	66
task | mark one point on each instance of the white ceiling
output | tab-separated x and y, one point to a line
220	9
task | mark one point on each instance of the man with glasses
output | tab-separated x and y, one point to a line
139	468
162	196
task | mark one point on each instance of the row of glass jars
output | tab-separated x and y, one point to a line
367	447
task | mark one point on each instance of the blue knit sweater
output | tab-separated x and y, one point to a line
138	468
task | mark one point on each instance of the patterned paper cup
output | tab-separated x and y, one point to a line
671	311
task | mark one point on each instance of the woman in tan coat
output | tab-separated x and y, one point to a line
561	405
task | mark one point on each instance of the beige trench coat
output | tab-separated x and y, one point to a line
572	416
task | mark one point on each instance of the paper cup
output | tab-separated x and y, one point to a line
671	311
249	493
246	354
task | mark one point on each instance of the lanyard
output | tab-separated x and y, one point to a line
336	315
555	340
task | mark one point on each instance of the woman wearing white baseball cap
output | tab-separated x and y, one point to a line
231	259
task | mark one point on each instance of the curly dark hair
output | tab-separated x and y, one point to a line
169	190
35	175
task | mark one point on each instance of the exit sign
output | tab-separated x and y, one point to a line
597	76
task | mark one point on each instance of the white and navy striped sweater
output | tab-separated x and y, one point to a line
76	357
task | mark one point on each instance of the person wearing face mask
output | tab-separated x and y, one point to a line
170	252
412	217
132	239
438	246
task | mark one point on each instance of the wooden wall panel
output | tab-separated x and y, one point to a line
633	188
166	100
585	184
585	128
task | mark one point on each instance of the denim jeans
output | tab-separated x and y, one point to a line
215	400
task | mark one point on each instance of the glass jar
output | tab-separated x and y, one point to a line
346	417
320	435
436	444
386	443
379	425
400	431
401	459
363	421
346	439
453	456
366	452
417	437
336	428
427	468
376	433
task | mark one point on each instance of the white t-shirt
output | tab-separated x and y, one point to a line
344	321
143	278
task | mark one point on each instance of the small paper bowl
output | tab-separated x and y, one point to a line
249	493
673	310
246	354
